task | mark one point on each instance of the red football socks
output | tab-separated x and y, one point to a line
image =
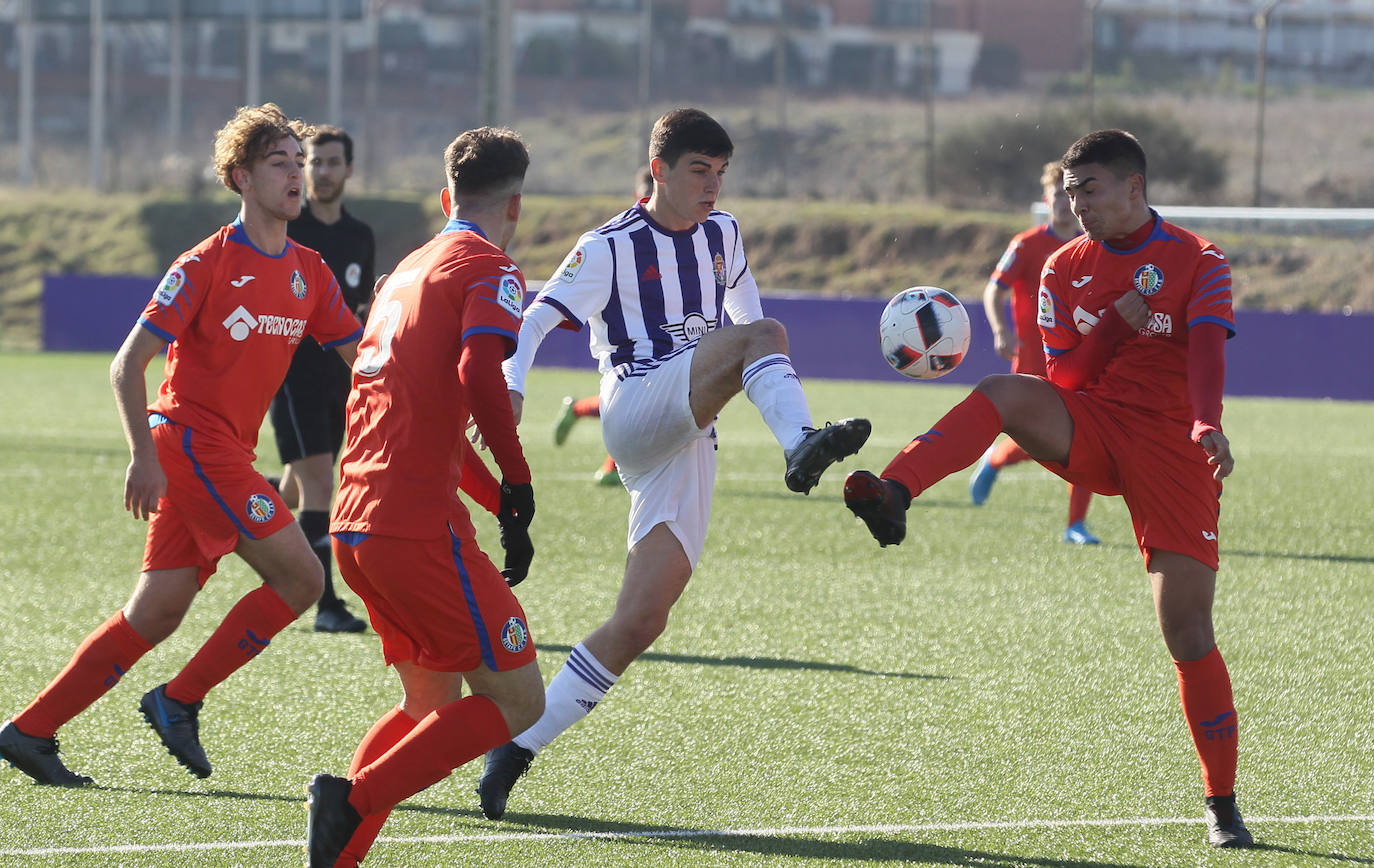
1205	687
446	739
389	729
1079	498
241	636
96	666
1007	452
587	407
960	438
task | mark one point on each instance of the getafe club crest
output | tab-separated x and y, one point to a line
515	636
1148	279
260	508
719	264
297	284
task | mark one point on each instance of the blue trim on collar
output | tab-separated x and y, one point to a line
456	225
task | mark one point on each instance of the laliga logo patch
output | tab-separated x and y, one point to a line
1148	279
260	508
352	274
511	293
719	264
171	285
297	284
1046	309
514	636
572	265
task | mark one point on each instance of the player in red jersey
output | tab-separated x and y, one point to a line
1134	315
233	308
440	327
1018	275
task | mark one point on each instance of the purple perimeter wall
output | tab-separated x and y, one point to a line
1294	355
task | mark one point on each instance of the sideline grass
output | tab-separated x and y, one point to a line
982	694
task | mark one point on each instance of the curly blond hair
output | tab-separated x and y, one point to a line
249	135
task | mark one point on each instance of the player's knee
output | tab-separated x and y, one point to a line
771	333
300	586
1010	394
523	710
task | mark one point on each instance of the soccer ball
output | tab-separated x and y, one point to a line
924	332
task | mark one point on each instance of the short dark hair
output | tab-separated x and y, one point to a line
688	130
326	133
1118	150
485	160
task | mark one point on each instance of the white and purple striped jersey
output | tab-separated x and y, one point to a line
645	291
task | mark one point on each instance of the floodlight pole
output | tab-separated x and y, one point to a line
253	58
26	92
1090	60
1261	24
931	72
335	96
780	38
176	66
97	102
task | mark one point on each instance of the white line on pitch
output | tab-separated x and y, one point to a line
777	832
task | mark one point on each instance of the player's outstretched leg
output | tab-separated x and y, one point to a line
821	448
1225	828
332	819
501	769
178	725
37	758
881	503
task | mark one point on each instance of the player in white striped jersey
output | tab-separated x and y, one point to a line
653	287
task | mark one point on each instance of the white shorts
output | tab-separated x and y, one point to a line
666	462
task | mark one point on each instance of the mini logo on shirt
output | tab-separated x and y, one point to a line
260	508
240	323
1046	309
1079	283
242	280
692	327
511	294
170	286
573	264
1148	279
1207	534
515	636
650	273
352	274
297	284
719	265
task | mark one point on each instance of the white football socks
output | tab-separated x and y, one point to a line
773	387
573	693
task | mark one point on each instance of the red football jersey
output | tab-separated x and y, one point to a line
1019	271
408	410
1185	280
233	316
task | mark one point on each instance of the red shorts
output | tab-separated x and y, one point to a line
1163	476
213	496
439	603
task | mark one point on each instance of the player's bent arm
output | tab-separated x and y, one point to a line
1075	368
349	352
995	306
479	370
742	301
540	318
144	481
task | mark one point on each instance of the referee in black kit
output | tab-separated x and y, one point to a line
308	412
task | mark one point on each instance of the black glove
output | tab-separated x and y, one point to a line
514	516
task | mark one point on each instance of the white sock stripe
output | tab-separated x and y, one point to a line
763	364
586	667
